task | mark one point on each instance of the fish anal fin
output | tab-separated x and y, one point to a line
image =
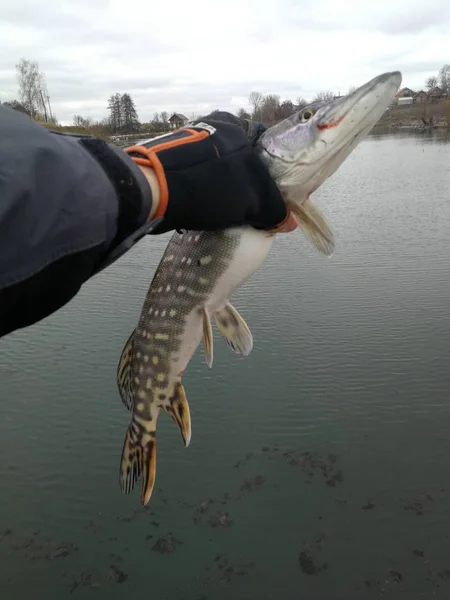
138	459
178	409
234	329
208	339
314	225
123	375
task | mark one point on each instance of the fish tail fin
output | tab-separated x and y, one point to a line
178	409
138	458
312	222
234	329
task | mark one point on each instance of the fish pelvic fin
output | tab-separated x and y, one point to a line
208	339
138	458
234	329
123	375
178	409
314	225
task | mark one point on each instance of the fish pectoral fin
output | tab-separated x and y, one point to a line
123	375
178	409
207	339
234	329
138	460
312	222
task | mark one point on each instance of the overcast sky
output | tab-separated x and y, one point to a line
200	55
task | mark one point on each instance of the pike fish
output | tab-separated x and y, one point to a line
199	271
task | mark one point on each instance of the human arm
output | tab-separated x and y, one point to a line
63	209
72	205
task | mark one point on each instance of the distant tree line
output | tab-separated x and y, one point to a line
270	108
160	121
123	118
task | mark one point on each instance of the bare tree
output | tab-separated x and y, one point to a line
243	114
431	82
80	121
270	108
17	106
156	122
255	99
300	101
287	109
444	78
165	120
324	96
32	87
102	128
352	89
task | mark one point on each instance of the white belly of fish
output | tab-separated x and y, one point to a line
250	254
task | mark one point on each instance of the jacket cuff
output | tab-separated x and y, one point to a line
132	188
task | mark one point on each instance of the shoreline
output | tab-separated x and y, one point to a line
412	127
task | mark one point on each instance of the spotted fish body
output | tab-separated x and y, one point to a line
197	274
199	271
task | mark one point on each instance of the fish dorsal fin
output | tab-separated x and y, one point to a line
312	222
178	409
234	329
208	339
124	373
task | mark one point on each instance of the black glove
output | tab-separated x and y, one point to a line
211	176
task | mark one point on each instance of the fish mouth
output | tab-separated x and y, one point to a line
337	126
361	108
347	122
327	139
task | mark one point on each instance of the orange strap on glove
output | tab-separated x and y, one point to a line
147	156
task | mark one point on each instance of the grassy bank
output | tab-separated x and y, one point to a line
435	115
99	132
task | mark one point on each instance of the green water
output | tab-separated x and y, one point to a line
319	465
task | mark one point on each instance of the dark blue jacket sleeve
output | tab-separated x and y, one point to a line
69	206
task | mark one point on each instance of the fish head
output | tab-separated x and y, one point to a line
303	150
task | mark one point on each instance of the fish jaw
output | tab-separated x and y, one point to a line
301	153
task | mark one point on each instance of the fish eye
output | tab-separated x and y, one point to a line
306	115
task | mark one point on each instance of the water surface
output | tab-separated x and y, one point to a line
319	464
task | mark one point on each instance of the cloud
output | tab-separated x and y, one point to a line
198	56
401	17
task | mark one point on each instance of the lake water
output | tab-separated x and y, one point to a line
319	465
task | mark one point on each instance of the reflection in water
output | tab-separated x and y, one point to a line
319	463
439	135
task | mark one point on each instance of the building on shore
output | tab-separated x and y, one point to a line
177	120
